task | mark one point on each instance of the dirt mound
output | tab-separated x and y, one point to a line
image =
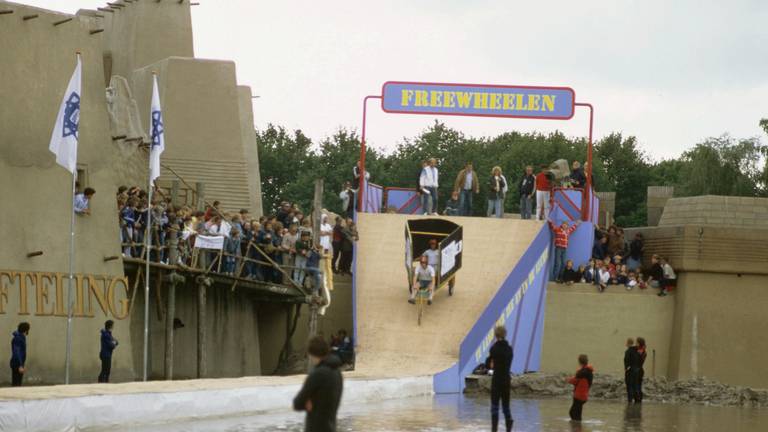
609	387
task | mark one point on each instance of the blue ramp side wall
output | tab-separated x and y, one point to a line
580	242
519	305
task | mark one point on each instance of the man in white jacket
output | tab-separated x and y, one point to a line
428	182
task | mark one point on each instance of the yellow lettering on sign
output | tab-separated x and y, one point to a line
78	309
463	99
448	99
520	103
421	98
508	101
534	102
435	99
406	97
481	100
549	102
495	101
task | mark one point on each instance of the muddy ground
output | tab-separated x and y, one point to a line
607	387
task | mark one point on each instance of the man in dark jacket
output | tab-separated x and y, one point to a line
500	360
526	189
108	344
632	366
19	353
320	395
578	178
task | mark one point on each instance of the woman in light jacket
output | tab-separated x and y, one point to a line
497	185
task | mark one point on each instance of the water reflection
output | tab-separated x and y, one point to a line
457	413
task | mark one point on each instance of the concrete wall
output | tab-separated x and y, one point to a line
36	193
607	207
203	129
719	328
250	149
579	320
144	32
717	210
657	199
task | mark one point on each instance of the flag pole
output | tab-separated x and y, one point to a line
68	356
147	251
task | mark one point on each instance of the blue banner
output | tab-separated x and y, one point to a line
478	100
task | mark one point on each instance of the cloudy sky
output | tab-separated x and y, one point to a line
669	72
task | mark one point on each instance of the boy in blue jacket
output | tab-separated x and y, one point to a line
108	344
19	353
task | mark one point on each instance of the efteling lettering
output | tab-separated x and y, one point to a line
44	294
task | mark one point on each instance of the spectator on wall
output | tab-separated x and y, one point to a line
429	182
656	273
526	188
600	248
338	240
543	188
496	185
615	241
453	206
570	275
562	233
636	249
466	185
578	178
347	247
82	202
669	278
347	196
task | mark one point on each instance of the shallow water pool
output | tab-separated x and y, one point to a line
455	413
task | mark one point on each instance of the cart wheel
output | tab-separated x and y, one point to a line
450	286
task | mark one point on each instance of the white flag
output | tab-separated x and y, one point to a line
156	133
64	136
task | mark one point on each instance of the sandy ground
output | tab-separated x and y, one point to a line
389	341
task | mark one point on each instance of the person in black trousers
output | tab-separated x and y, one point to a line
108	344
320	396
500	360
632	366
19	353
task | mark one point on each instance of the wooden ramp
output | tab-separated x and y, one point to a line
389	342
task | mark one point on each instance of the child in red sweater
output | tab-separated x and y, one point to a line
582	381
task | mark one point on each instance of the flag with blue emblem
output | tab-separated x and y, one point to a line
156	134
65	131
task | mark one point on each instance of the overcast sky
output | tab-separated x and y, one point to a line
669	72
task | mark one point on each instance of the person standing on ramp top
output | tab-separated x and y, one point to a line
320	395
500	360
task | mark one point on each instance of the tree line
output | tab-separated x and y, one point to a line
290	162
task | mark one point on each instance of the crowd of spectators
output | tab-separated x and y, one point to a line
270	248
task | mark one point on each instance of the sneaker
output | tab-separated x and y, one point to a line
662	294
629	288
429	302
412	301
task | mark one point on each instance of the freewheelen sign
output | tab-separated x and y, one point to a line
478	100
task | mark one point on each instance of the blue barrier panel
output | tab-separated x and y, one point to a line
373	197
519	305
405	201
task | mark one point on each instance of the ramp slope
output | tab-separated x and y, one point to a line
389	341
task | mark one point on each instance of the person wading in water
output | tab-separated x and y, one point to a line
500	360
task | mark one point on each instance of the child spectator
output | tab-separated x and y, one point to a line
622	275
641	281
562	233
582	381
582	269
590	274
570	275
656	274
603	278
631	280
452	207
669	280
128	222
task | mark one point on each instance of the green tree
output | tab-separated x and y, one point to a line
287	163
627	173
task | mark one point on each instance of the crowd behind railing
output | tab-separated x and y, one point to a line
281	248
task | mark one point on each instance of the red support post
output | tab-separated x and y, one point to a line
586	207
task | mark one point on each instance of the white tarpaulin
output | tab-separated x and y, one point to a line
209	242
448	258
